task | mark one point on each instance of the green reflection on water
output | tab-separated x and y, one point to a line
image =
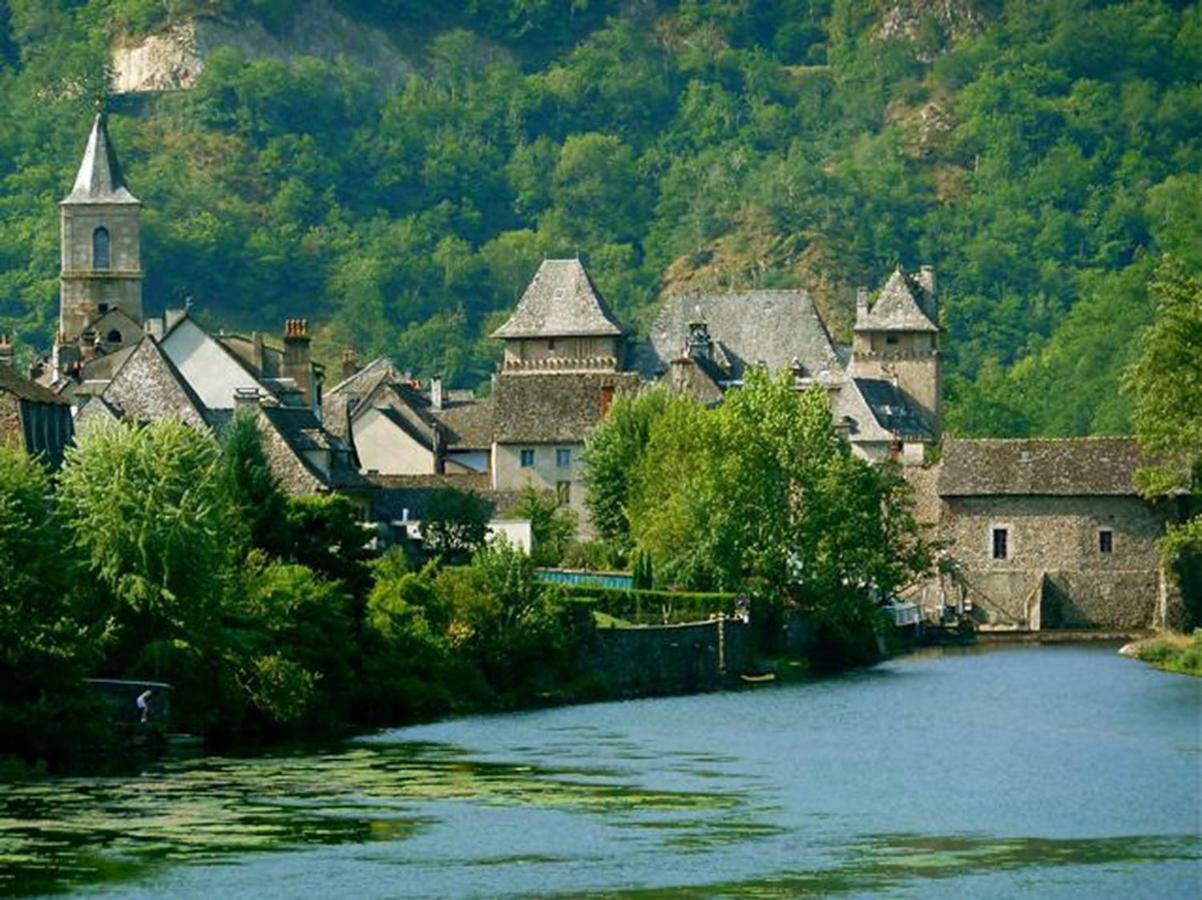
66	834
879	862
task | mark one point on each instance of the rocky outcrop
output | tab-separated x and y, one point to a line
173	58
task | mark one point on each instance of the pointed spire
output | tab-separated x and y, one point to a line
99	179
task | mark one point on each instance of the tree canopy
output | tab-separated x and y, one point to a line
1038	155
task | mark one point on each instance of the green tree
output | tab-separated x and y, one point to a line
455	523
552	525
259	503
613	451
45	712
1166	381
147	511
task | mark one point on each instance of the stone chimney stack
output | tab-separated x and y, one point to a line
436	392
926	279
350	363
701	345
246	398
297	364
861	304
6	350
87	345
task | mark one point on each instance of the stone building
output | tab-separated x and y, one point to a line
32	418
397	428
111	362
563	363
883	389
1045	533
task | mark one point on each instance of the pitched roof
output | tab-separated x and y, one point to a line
99	179
553	408
1039	467
468	424
896	308
560	301
13	382
892	410
773	327
148	386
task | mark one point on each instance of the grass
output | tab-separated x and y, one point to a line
1173	652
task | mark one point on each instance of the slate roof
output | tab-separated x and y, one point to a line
774	327
897	307
148	386
560	301
99	179
14	383
467	424
1039	467
553	408
300	429
892	410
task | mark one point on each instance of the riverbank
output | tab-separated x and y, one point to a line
1170	652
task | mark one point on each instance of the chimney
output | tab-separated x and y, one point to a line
436	393
861	304
926	278
6	350
87	345
701	345
350	363
246	398
256	344
296	357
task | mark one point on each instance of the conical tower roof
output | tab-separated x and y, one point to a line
561	301
99	179
896	309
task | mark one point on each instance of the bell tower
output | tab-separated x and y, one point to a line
101	232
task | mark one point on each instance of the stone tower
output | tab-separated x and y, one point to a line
897	339
101	224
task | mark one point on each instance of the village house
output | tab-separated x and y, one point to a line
1039	533
1046	533
32	418
111	362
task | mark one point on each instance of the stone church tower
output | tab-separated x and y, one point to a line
101	278
897	340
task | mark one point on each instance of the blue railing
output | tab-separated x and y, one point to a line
621	580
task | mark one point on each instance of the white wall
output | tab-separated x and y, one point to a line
206	365
387	448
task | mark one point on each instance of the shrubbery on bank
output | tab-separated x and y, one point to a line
159	555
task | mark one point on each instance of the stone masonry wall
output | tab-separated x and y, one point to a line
1054	561
669	659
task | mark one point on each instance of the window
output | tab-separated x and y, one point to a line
891	339
100	248
563	457
1001	550
551	344
102	308
527	457
114	337
564	490
1105	540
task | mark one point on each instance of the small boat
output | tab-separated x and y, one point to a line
758	678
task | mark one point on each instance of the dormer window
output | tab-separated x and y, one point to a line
113	337
100	248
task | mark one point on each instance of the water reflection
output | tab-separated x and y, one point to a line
1050	770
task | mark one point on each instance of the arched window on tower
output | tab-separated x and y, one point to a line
100	248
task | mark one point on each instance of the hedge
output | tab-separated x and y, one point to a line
647	607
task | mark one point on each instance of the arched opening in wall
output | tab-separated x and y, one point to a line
100	248
114	337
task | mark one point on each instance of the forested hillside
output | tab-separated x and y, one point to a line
1042	155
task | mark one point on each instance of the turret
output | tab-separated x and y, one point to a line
101	253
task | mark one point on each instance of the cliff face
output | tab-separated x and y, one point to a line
173	58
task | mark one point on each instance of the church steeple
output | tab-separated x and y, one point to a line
101	251
99	179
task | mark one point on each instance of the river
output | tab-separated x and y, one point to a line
1057	771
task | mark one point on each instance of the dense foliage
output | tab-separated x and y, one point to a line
761	495
145	561
1166	381
1038	154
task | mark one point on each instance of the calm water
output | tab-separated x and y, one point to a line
1043	771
